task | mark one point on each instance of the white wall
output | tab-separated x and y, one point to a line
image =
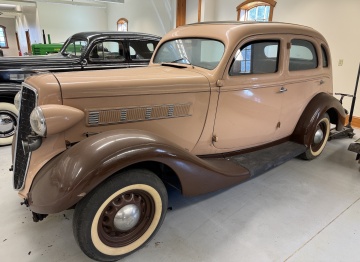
150	16
9	24
63	20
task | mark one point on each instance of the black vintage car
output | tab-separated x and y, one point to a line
82	51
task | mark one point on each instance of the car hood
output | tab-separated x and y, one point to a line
132	81
38	62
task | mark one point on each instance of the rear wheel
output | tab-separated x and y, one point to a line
319	138
8	123
121	215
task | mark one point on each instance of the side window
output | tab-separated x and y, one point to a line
107	51
260	57
324	57
302	55
76	48
141	50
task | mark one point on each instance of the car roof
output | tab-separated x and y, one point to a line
114	34
226	31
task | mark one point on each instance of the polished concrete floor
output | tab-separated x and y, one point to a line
300	211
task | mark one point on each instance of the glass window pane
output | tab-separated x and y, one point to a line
141	50
260	57
302	55
205	53
324	57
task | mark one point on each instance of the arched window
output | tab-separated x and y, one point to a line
255	10
3	39
122	24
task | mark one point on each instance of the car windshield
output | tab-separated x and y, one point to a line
205	53
74	47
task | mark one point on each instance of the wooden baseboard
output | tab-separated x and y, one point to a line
355	121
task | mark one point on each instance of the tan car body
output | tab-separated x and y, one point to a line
181	117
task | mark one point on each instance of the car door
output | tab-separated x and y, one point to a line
249	102
305	77
107	54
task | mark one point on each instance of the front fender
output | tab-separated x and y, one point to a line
320	104
64	180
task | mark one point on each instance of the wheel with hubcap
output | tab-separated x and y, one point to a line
319	138
8	123
120	215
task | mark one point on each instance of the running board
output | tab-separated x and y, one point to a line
258	162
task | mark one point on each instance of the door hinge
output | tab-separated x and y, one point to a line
219	83
215	138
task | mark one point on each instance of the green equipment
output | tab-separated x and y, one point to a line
44	49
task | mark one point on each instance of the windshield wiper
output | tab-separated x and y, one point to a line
181	59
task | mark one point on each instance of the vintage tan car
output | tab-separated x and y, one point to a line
219	104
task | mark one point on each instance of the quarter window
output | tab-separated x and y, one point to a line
324	57
302	55
261	57
140	50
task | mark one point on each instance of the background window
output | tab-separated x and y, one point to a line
259	57
122	24
254	10
302	55
3	39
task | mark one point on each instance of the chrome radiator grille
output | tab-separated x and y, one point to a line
28	103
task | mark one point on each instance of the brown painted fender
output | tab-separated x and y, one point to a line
64	180
320	104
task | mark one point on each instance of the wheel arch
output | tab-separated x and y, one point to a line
67	178
320	104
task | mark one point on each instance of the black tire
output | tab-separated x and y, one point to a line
94	222
8	123
318	144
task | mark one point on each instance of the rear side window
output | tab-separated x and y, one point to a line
260	57
141	50
302	55
324	57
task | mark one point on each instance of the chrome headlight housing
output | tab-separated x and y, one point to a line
37	121
17	100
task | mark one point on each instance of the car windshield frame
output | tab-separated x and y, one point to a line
71	41
196	51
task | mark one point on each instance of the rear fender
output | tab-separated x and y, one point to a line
322	103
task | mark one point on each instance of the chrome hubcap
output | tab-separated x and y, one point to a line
319	135
127	217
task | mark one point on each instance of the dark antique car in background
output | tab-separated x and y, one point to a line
82	51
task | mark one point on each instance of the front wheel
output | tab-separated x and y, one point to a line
8	123
121	215
319	138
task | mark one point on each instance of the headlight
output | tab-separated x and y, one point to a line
37	121
17	100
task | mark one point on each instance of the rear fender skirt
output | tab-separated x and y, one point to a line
64	180
320	104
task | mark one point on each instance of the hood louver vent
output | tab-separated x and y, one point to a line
134	114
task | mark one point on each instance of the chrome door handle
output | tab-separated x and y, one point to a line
282	90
